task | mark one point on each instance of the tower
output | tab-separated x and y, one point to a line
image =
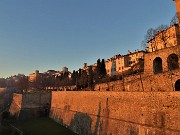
177	2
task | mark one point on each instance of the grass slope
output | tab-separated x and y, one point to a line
42	126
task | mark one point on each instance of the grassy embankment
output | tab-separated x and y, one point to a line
42	126
39	126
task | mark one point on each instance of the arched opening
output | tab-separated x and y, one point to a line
177	85
157	65
172	61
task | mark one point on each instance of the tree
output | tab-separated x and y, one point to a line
22	83
160	28
38	83
98	67
90	77
74	77
83	80
151	33
78	78
148	36
64	81
97	72
174	20
79	73
103	68
3	83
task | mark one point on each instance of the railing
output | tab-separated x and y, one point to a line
16	129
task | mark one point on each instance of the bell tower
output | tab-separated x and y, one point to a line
177	2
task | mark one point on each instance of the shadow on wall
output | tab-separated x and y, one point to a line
98	121
30	113
133	131
81	123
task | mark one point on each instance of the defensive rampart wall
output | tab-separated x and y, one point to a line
141	82
30	105
35	100
118	113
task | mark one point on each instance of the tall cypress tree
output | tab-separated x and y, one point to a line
74	77
90	77
98	66
80	72
103	68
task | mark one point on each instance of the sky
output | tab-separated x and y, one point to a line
50	34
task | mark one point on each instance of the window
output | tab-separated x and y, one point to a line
177	85
172	61
157	65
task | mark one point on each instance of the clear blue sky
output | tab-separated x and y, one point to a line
50	34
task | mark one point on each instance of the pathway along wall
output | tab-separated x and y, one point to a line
118	113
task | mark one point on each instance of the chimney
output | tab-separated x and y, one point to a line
177	2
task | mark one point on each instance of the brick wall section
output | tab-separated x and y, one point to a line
124	113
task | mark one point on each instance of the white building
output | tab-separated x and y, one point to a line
122	63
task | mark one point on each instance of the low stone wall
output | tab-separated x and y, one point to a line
110	86
118	113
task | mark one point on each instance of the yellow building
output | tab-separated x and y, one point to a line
165	38
135	56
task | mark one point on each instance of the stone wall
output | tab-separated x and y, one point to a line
148	81
143	82
6	95
158	82
35	100
30	105
118	113
35	105
163	54
15	107
110	86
